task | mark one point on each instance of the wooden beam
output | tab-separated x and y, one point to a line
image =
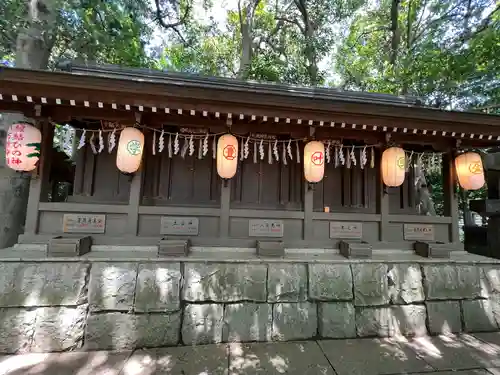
450	196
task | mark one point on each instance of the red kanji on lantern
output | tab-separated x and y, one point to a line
317	158
18	136
16	153
20	127
15	161
230	152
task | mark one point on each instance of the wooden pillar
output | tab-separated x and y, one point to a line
134	202
450	196
39	184
225	206
308	212
309	203
383	203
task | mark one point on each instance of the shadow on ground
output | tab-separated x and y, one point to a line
445	355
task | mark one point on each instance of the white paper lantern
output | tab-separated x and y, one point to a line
22	150
130	148
227	156
314	161
393	166
470	172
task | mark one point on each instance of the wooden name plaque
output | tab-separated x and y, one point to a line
180	226
346	230
265	228
84	223
418	232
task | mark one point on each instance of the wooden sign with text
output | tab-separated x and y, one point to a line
265	228
180	226
346	230
263	136
418	232
194	130
84	223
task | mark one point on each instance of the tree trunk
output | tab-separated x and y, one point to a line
425	203
33	48
396	32
246	15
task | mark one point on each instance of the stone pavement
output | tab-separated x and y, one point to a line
477	354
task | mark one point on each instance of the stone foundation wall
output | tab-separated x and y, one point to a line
52	306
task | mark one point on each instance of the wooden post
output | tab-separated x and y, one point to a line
309	203
225	206
134	202
39	184
383	203
450	196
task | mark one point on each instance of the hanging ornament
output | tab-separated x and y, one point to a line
154	142
283	155
348	159
297	152
214	148
242	151
200	148
353	156
255	152
372	158
101	142
205	145
336	157
341	155
81	143
261	149
191	146
161	141
327	152
67	140
185	148
112	141
170	146
408	162
246	151
275	150
289	149
269	153
176	144
92	145
362	158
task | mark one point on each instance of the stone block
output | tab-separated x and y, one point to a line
158	287
43	284
17	328
337	320
293	321
370	284
287	282
373	321
59	328
224	282
202	324
443	282
408	320
330	282
444	317
247	322
112	286
490	281
405	284
117	330
481	315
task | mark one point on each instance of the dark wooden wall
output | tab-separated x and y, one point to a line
97	178
403	200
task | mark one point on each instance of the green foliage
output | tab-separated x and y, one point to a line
100	31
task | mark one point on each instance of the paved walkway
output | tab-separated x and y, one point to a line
477	354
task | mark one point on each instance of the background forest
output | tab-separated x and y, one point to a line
445	52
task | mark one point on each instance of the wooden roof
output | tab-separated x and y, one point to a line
109	92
